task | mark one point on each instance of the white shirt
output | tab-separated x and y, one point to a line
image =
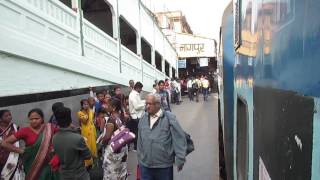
93	95
154	118
136	105
189	83
179	86
174	83
154	91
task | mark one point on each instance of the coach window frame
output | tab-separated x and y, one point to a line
237	24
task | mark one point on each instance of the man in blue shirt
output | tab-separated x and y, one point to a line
98	105
165	103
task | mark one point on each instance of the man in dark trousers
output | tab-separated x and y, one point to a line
136	108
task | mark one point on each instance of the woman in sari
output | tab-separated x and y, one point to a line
38	151
88	129
114	164
8	160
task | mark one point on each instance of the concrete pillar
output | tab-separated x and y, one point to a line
115	22
139	50
153	57
163	65
75	5
177	69
118	36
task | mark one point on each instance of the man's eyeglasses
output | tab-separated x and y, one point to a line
152	103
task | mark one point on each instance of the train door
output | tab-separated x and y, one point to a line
242	140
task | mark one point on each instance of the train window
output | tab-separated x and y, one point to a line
237	24
283	13
242	139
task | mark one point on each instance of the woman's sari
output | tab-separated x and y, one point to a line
10	170
36	157
88	131
115	164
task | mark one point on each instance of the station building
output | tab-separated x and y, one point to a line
197	54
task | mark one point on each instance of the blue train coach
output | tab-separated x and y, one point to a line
269	86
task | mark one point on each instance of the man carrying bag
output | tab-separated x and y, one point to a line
161	142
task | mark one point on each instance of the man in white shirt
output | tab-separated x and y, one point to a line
189	86
136	109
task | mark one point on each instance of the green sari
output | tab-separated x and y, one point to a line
35	161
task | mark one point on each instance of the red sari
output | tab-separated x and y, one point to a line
38	149
8	160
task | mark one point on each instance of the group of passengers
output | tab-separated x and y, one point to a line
196	85
172	89
61	150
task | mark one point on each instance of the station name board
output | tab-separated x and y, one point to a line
196	48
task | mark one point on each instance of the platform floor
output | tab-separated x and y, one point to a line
200	120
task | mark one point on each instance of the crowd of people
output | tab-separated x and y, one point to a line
196	85
60	149
193	85
172	89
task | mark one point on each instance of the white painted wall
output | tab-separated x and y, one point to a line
130	11
149	30
42	40
26	75
147	27
159	41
